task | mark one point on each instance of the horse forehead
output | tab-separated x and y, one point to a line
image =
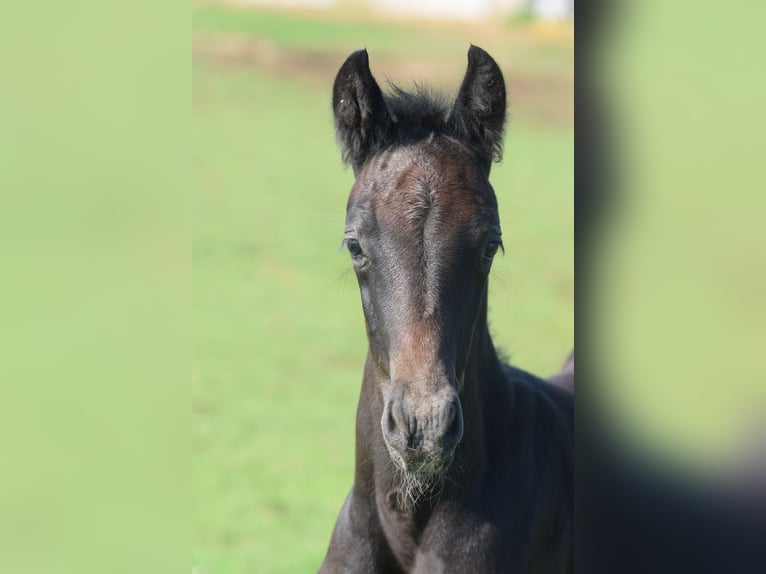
404	185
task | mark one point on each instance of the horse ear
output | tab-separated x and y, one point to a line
362	121
478	117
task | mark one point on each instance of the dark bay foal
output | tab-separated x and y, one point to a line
463	464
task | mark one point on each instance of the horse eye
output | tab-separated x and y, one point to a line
353	247
491	249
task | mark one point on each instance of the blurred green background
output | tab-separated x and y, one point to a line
279	340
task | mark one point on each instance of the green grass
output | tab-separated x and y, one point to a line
279	338
519	45
295	30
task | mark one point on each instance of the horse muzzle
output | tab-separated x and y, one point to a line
421	435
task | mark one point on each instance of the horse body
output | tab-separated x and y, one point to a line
463	464
506	507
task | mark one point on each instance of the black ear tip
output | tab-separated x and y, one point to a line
479	57
474	52
360	60
356	65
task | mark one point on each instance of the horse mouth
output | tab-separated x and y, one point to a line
421	466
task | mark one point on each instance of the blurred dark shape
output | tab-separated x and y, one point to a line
637	516
635	513
595	188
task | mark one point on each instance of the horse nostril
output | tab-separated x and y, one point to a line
454	430
390	422
394	425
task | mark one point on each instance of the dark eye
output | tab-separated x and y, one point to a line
491	249
353	247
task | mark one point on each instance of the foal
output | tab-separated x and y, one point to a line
463	464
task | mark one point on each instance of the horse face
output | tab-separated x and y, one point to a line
421	228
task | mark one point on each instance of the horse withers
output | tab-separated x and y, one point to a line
463	464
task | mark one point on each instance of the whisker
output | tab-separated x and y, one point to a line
340	278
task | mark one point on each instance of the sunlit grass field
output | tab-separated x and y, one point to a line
279	338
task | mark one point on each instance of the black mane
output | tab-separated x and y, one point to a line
417	114
367	121
422	113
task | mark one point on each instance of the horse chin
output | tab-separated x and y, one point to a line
420	482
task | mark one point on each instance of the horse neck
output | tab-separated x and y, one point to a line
484	371
484	388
